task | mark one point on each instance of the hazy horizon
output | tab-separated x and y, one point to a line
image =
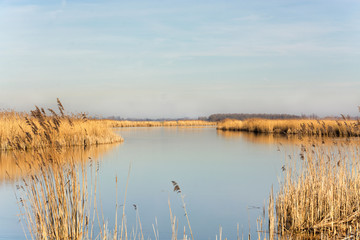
173	59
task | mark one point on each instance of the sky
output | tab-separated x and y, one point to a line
171	59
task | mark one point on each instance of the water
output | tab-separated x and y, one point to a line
225	177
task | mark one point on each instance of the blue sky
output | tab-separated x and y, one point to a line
181	58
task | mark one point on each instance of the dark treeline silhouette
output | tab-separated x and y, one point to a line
243	116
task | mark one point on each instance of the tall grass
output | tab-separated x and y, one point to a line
330	128
320	192
54	204
40	129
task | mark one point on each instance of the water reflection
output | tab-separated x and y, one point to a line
223	175
15	165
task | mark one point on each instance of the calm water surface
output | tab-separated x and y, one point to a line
225	177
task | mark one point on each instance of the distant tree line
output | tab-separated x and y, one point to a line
243	116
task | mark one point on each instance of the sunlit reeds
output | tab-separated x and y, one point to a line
42	128
320	192
329	128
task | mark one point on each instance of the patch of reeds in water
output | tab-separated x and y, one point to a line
329	128
53	203
59	202
40	128
319	194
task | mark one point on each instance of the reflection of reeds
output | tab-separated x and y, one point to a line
15	165
330	128
320	193
40	129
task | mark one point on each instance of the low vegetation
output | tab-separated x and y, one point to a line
329	128
40	128
179	123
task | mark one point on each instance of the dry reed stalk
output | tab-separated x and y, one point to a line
178	190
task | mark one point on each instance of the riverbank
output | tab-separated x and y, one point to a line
179	123
328	128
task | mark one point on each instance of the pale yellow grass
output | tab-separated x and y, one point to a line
331	128
28	131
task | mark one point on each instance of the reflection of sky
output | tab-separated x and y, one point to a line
181	58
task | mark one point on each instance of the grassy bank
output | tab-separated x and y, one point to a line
330	128
40	128
179	123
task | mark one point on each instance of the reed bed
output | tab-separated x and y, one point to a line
319	193
328	128
40	128
184	123
294	140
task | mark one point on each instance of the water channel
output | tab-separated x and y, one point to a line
225	177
